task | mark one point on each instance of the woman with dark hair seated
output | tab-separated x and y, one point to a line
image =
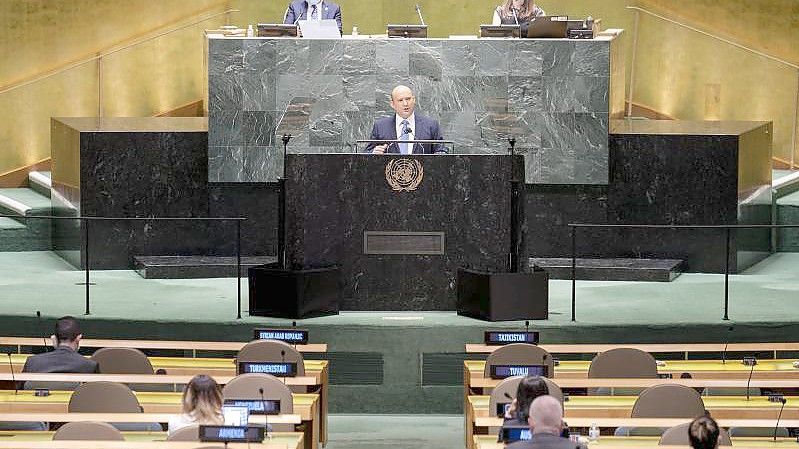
704	433
529	388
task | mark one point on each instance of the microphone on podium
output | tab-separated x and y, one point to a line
515	17
419	12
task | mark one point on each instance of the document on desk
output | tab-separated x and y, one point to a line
319	29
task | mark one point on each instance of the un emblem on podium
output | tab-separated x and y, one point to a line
404	175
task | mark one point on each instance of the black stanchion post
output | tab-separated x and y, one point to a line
727	277
86	260
238	268
574	272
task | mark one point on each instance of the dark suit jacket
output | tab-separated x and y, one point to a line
426	129
298	10
60	360
546	441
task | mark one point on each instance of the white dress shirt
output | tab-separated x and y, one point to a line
411	135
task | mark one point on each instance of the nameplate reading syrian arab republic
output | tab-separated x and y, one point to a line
404	175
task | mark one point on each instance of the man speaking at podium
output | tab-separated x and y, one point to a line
406	125
312	10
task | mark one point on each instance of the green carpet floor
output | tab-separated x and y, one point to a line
395	431
766	293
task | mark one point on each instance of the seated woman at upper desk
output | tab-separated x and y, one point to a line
526	10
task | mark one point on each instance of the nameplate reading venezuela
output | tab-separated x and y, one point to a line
290	336
231	434
503	371
278	369
497	338
257	406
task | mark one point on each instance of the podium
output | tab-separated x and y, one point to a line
399	227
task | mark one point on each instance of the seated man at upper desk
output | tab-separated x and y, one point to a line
313	10
407	125
64	357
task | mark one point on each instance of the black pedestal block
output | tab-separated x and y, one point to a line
283	293
503	296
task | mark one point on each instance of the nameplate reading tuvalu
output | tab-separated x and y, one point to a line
503	371
290	336
498	338
279	369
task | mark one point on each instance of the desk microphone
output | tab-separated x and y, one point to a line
515	17
776	426
41	328
419	12
283	361
726	342
266	416
11	370
527	326
751	371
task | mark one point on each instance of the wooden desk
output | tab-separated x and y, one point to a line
699	369
221	369
490	442
685	348
305	405
130	417
192	346
135	440
619	407
191	366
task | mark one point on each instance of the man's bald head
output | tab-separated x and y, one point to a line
403	101
546	415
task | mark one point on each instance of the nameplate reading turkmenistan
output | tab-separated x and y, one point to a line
290	336
503	371
279	369
257	406
497	338
405	243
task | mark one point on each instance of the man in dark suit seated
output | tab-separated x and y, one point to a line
546	423
64	357
313	10
406	125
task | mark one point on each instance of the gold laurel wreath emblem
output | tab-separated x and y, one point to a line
404	175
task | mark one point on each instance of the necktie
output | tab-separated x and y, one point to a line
405	147
314	15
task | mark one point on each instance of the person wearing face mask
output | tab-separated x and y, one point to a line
405	125
526	11
312	10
